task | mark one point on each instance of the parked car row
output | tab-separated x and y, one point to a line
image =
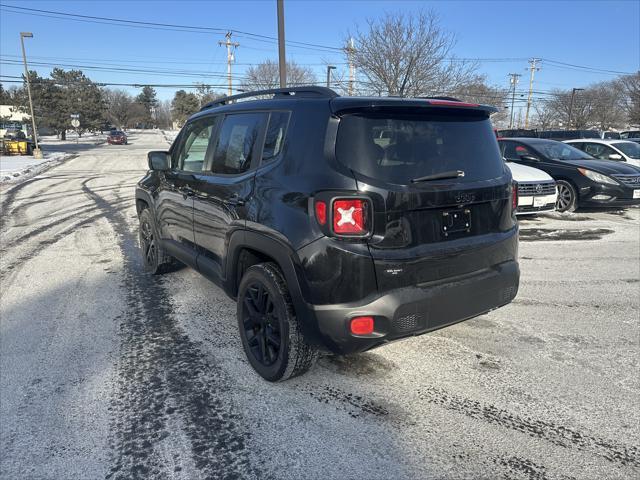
581	179
563	135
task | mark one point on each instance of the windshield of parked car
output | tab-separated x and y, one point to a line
561	151
400	147
630	149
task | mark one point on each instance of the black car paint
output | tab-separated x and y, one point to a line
407	266
586	188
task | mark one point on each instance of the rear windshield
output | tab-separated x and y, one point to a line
399	148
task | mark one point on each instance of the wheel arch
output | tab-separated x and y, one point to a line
248	248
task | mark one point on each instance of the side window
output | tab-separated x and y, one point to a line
519	151
510	151
195	144
275	136
236	143
596	150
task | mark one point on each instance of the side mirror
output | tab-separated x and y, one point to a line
159	160
615	156
529	158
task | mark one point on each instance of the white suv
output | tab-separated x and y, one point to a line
536	189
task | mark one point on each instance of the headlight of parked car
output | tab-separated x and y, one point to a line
597	177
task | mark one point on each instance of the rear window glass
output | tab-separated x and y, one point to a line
398	148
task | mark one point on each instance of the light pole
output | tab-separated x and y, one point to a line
282	59
573	94
37	154
329	68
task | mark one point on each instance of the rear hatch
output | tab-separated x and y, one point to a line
428	228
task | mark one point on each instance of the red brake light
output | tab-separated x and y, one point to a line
349	216
514	196
452	103
362	325
321	212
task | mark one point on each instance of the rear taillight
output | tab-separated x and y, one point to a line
350	216
514	196
321	212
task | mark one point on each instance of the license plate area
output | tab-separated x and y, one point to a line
456	221
636	193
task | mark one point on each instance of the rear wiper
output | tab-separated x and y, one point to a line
439	176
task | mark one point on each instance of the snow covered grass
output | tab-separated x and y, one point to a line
16	167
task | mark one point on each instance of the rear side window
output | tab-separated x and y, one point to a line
236	142
275	136
398	148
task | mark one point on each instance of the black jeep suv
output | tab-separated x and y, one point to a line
338	223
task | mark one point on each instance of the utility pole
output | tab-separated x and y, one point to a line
514	81
329	68
281	53
37	154
532	68
573	94
230	58
352	69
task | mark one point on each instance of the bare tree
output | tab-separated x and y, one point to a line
266	75
544	117
476	90
607	109
409	55
629	87
122	110
163	114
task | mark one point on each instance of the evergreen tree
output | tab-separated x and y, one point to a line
148	99
184	105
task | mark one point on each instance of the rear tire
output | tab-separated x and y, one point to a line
567	197
155	260
269	329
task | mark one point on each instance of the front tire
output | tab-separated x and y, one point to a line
567	197
154	259
269	329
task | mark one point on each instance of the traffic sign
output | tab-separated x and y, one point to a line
75	122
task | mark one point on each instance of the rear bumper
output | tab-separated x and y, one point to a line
419	309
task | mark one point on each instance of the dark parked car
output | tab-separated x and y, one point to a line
117	137
338	223
581	179
516	132
568	134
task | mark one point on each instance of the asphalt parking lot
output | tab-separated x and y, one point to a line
106	372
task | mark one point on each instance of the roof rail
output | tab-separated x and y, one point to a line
310	91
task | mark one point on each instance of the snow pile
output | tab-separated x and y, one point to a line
16	166
170	135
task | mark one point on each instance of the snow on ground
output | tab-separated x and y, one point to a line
170	135
16	166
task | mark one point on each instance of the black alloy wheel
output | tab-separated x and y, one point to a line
262	325
270	331
153	257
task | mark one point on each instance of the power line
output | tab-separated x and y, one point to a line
162	26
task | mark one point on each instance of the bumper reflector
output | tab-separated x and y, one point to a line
361	325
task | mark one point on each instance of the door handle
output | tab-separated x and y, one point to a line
235	200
